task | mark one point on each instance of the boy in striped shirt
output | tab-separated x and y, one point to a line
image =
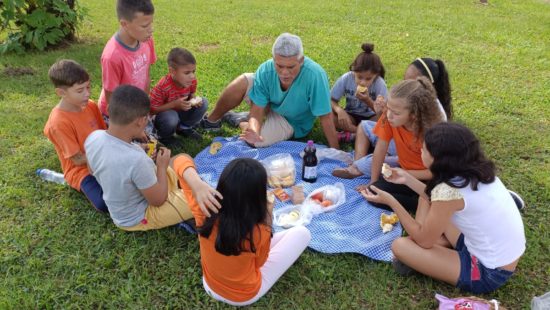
174	100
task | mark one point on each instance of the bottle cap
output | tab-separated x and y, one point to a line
38	171
309	142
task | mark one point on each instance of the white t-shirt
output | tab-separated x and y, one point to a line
490	221
122	169
441	110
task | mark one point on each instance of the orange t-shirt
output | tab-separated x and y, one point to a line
237	278
68	131
408	146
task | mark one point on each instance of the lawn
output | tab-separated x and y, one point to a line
56	252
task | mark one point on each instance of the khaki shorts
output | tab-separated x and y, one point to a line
250	79
275	128
174	210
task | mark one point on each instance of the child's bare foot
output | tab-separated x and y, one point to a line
350	172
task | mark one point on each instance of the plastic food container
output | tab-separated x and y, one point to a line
281	171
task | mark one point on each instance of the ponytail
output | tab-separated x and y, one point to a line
443	89
435	70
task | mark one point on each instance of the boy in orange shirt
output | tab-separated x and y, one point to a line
70	122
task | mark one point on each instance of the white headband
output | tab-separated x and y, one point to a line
427	69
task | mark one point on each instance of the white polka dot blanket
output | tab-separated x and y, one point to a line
353	227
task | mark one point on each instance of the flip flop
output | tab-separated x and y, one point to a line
346	137
346	173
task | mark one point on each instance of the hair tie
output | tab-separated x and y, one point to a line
427	69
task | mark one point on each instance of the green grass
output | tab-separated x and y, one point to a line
56	252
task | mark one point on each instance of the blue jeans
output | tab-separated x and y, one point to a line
166	122
364	164
93	191
474	277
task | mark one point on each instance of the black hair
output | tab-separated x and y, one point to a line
440	80
127	9
128	103
243	184
457	152
368	61
180	57
66	73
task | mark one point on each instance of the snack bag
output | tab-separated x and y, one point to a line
297	194
152	146
281	194
466	303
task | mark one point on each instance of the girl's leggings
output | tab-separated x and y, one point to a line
286	247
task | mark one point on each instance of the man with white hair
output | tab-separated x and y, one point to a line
286	94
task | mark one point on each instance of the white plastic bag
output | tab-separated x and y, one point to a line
286	216
281	171
336	194
335	154
331	153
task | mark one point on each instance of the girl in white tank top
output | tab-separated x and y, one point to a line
468	230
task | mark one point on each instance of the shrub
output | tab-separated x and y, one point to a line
37	24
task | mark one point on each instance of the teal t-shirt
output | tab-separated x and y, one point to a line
307	98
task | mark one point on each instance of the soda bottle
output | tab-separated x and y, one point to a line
52	176
309	163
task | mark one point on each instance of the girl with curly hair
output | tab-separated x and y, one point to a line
411	110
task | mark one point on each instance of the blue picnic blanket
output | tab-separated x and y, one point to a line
353	227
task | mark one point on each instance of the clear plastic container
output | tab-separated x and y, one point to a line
281	171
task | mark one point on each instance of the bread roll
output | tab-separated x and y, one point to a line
386	171
362	89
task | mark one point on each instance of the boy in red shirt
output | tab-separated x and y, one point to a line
73	119
173	99
130	52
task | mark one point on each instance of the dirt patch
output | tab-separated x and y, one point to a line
19	71
262	40
208	47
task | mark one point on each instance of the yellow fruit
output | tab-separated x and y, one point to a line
215	148
294	215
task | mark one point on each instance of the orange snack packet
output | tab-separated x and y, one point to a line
281	194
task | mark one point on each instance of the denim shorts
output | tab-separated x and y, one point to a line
368	129
474	277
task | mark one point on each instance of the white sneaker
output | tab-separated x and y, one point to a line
518	200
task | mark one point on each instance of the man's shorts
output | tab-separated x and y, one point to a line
275	128
250	79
